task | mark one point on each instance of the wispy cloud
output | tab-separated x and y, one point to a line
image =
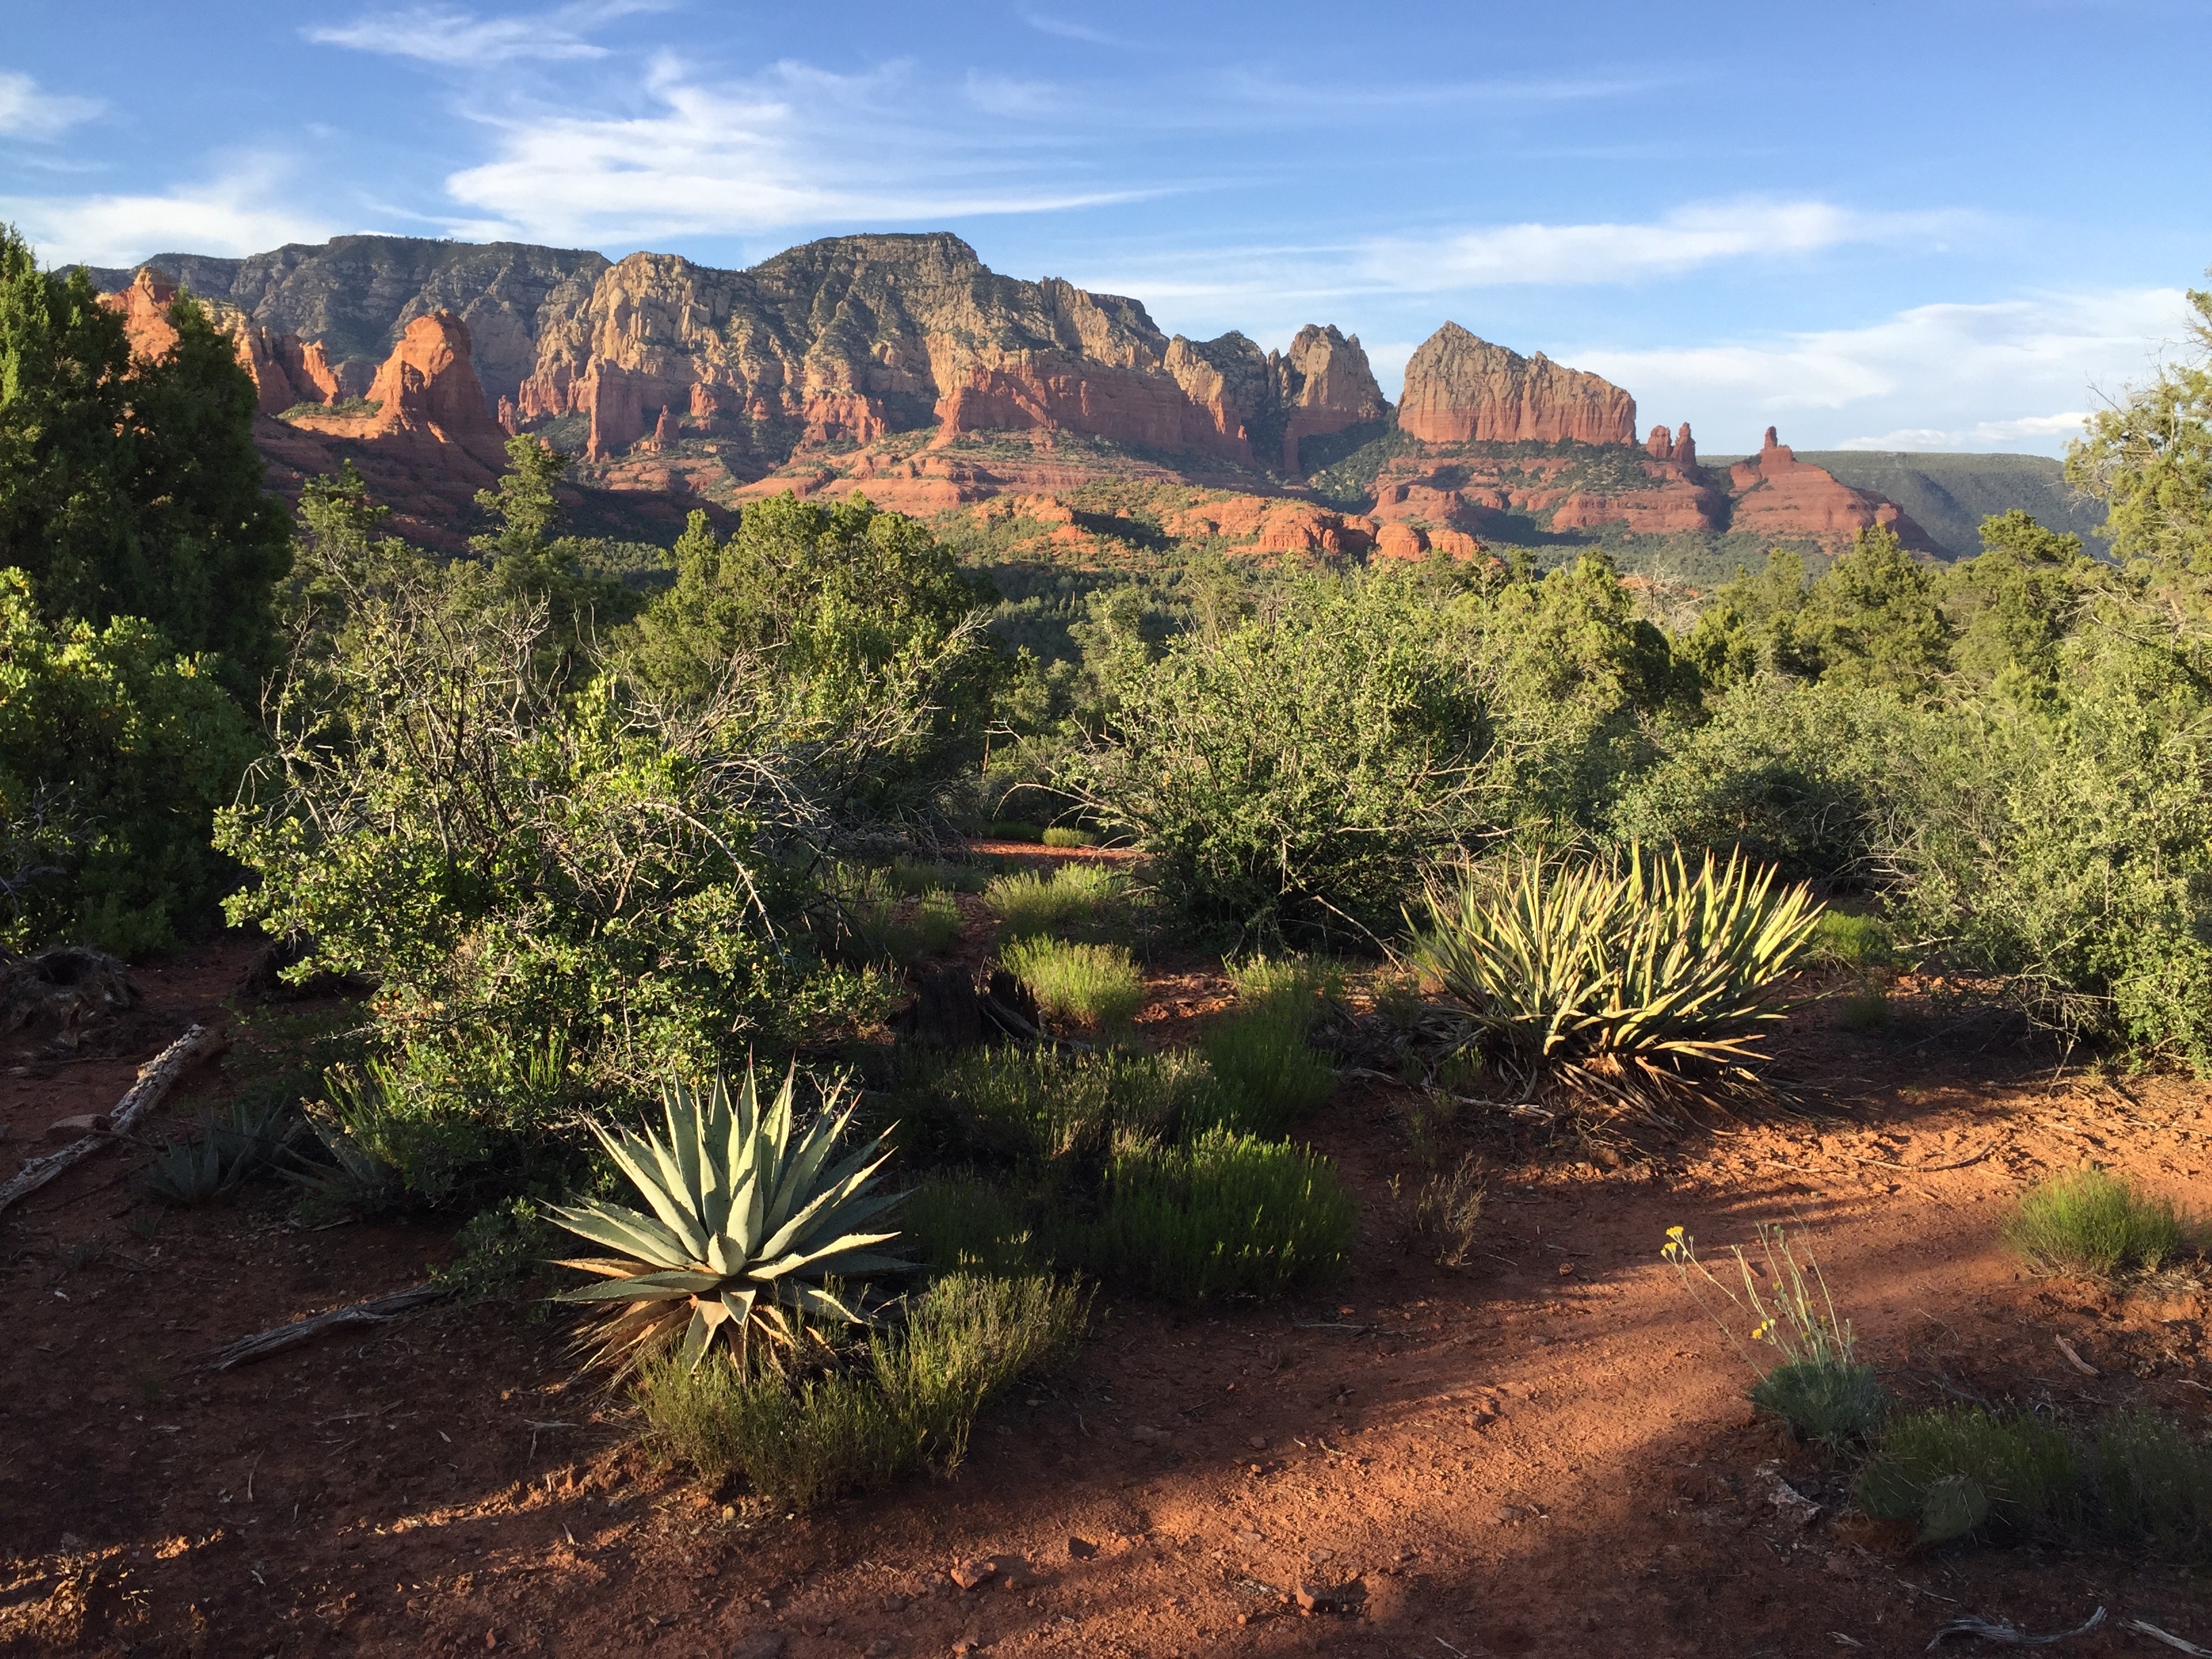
795	146
236	213
1685	240
435	34
2008	374
28	111
1066	29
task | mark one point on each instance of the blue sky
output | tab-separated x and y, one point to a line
1878	223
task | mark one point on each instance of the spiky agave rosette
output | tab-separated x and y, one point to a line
747	1230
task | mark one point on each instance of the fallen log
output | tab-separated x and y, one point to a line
155	1079
378	1310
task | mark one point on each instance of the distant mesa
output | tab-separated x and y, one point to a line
1460	389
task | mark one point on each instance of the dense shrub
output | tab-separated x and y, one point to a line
1966	1470
913	1399
133	488
114	756
530	874
875	664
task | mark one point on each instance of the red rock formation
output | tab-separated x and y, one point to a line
1326	385
428	385
1778	494
1660	446
510	422
286	371
1686	448
1461	389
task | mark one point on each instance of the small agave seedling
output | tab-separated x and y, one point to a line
749	1225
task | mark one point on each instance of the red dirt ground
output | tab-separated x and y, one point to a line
1548	1453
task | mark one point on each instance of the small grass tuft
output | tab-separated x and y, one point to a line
966	1338
1094	986
1085	899
1843	940
2093	1222
2154	1484
963	1222
1060	836
1224	1215
1028	1105
1442	1217
1834	1404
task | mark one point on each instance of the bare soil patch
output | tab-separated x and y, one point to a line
1548	1452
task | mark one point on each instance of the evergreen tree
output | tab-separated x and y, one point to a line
134	490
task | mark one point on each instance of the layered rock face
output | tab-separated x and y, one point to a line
1460	389
287	371
857	336
1776	493
356	295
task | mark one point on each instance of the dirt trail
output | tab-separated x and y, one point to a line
1547	1453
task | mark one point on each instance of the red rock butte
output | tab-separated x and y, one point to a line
1460	389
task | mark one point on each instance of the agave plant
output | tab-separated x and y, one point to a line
751	1225
1618	980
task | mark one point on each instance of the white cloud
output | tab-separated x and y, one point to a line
441	35
1066	30
27	111
1683	240
1986	376
236	214
795	146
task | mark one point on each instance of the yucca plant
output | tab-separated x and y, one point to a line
1620	981
751	1227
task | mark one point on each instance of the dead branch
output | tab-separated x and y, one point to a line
155	1079
377	1310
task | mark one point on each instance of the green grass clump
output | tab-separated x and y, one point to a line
1225	1214
1085	897
2093	1222
936	920
1851	941
801	1445
1013	829
1956	1472
806	1442
1266	1076
917	876
1058	835
1835	1403
1096	986
2155	1485
966	1338
1029	1105
962	1221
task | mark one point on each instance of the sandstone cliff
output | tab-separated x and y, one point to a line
1460	390
1779	495
286	370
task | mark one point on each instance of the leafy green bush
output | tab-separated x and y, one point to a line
524	870
1087	898
114	757
865	643
1097	986
1617	981
1966	1470
1223	1214
2093	1222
